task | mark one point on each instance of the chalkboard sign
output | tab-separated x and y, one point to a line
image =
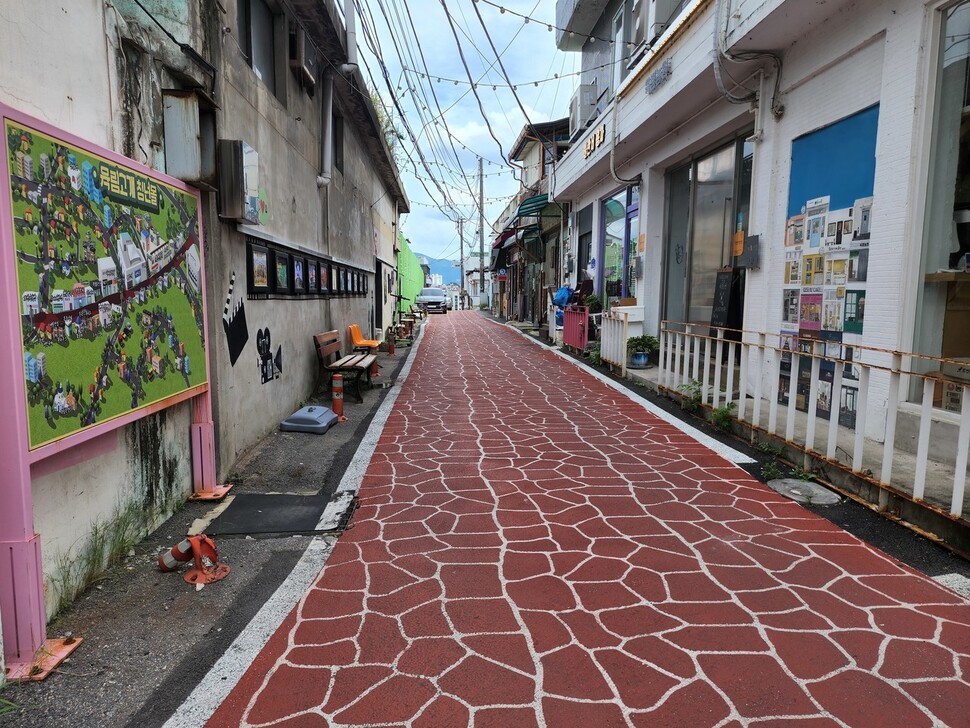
722	297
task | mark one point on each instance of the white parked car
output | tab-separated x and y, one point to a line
431	300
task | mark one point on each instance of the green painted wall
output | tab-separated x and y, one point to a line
410	275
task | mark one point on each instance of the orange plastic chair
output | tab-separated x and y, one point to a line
360	343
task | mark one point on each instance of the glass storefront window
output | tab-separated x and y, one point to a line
614	230
944	309
621	232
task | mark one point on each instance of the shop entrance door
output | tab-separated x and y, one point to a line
707	205
711	235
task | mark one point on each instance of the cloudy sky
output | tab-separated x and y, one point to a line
414	43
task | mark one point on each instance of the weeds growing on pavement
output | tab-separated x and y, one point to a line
7	707
594	353
769	449
797	472
109	543
722	416
771	471
691	399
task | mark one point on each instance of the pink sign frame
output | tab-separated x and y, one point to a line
22	610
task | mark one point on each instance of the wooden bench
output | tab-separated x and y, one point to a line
357	364
360	343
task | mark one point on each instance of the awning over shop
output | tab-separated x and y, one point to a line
528	234
502	237
533	206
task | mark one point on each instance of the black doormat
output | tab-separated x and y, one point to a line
262	513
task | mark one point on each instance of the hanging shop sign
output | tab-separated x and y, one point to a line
106	256
660	75
503	274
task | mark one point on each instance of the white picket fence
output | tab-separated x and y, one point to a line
613	335
869	411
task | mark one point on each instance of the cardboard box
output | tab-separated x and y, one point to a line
959	371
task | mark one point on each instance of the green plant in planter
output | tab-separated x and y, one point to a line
593	347
594	303
639	348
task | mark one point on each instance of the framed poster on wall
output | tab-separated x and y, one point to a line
312	277
282	279
257	269
299	274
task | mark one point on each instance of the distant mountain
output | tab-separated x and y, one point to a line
449	270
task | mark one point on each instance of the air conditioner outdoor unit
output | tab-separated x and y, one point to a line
659	17
303	59
238	182
581	107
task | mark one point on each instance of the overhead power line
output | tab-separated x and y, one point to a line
514	87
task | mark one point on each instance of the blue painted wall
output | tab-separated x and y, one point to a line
838	160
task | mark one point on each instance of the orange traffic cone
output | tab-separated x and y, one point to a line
172	559
207	567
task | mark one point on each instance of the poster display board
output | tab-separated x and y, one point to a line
108	261
826	254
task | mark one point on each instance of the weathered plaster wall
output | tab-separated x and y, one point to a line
47	80
348	220
125	493
92	90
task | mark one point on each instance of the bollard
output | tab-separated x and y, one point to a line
337	397
390	345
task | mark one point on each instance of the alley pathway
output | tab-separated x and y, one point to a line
533	548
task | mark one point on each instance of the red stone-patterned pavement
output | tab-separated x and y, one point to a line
534	549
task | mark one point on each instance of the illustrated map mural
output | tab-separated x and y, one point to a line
109	271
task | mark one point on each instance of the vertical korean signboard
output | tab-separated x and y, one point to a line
108	265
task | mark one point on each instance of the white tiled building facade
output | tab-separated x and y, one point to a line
672	173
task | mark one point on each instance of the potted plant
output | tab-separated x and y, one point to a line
594	303
639	349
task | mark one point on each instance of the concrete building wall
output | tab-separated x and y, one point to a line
106	86
284	128
864	54
345	221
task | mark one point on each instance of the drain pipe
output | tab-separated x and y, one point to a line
326	112
721	53
346	69
620	180
350	19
